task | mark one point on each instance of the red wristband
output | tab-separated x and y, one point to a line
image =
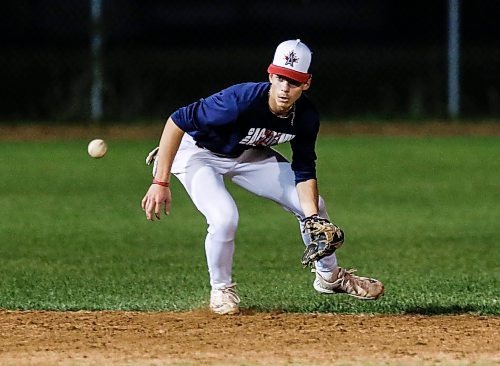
160	183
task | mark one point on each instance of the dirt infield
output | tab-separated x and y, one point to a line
202	338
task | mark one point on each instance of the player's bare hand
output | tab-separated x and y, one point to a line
157	199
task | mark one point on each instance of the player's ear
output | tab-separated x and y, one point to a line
307	84
271	78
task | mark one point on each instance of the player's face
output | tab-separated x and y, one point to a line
284	92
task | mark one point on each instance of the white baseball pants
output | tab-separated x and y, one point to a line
263	172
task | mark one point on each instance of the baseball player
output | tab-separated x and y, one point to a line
229	135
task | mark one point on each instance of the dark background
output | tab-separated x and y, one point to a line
371	58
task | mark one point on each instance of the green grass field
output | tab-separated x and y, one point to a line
421	214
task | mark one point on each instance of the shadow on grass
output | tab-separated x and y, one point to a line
417	310
450	309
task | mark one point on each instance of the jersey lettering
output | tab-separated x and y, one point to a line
265	137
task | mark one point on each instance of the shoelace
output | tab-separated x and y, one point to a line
341	280
230	292
345	282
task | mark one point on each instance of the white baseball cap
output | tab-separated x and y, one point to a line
292	59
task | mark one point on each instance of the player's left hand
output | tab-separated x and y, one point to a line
152	155
156	198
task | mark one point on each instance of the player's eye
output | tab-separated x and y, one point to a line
294	82
291	82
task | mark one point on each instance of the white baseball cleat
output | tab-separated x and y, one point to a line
363	288
224	300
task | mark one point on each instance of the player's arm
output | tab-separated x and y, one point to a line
308	196
325	236
158	194
304	166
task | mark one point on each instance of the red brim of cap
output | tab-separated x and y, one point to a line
289	73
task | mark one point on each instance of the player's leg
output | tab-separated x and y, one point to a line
208	193
268	174
271	177
201	176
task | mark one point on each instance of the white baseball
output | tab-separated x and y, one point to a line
97	148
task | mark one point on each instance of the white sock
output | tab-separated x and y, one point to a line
329	275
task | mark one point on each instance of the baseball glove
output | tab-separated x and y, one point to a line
152	156
325	236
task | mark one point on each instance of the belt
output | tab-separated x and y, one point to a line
230	156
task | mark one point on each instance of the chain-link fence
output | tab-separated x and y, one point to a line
380	58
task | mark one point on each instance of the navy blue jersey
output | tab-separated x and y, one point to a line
238	118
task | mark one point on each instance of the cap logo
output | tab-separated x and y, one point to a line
291	58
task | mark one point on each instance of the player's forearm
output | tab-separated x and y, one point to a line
169	144
308	196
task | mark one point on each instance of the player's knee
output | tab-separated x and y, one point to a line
224	226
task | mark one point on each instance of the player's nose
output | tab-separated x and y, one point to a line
285	86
